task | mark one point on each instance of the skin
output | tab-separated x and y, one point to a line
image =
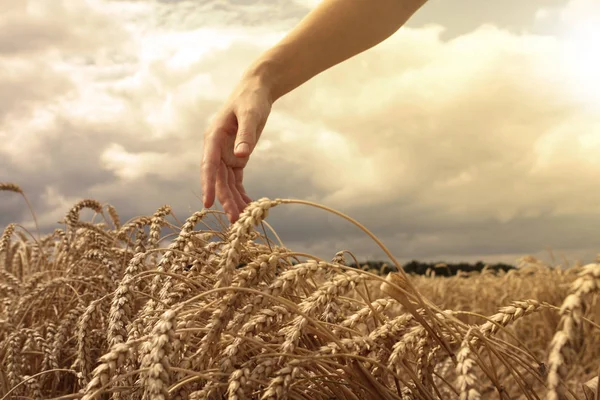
334	31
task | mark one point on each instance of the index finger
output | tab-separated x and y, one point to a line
210	166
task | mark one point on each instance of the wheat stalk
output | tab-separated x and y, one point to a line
230	314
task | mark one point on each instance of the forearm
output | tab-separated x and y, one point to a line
333	32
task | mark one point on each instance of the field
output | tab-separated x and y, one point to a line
99	309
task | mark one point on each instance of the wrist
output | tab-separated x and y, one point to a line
268	73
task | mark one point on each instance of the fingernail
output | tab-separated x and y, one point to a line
242	148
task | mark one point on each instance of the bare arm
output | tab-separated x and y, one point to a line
333	32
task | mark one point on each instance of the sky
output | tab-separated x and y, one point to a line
473	133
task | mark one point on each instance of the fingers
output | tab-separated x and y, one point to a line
240	203
239	177
210	166
224	193
245	139
219	179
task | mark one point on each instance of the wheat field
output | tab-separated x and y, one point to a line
103	309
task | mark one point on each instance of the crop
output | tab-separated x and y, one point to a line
100	309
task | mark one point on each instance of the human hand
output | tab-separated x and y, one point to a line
228	143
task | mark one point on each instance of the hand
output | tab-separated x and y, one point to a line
228	143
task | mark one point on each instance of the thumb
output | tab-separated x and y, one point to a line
245	139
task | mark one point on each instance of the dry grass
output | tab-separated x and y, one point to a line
99	310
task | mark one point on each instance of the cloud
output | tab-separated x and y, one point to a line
479	146
64	26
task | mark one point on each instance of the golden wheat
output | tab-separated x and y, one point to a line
91	312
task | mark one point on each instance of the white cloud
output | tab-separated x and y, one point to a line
132	166
309	3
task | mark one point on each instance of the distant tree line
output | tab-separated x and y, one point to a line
440	269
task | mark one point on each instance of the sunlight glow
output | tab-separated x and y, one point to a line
582	62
